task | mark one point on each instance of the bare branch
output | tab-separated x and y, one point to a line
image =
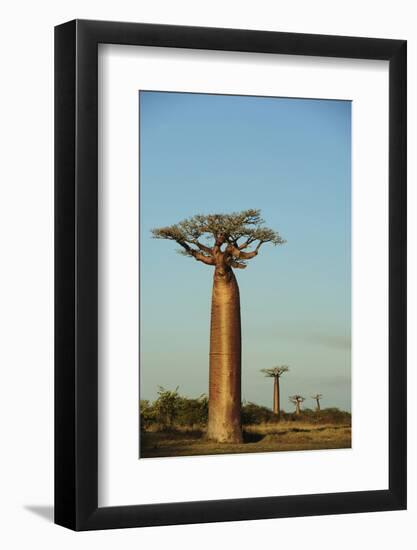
226	230
203	258
237	251
189	251
246	243
237	265
203	247
250	255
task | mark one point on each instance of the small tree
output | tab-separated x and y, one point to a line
317	398
147	414
276	374
297	400
166	406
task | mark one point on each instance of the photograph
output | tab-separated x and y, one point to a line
209	273
245	274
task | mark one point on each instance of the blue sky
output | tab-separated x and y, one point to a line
292	159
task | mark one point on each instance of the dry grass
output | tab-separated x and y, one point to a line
267	437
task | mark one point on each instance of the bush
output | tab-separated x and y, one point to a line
147	414
192	411
324	416
171	410
167	407
333	416
256	414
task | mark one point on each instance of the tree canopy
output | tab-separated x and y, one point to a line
275	371
296	399
235	237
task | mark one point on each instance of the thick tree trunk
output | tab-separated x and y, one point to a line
224	422
297	408
276	397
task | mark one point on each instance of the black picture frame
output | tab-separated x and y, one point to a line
76	272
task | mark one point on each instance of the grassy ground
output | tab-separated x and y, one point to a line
258	438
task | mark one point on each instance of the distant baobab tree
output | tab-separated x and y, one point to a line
276	374
297	400
317	398
233	240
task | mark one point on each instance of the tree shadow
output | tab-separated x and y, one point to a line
45	512
251	437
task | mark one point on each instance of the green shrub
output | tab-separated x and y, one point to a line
171	410
147	414
192	411
256	414
324	416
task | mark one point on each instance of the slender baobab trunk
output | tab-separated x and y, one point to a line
318	404
224	422
276	397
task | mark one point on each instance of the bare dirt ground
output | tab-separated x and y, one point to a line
258	438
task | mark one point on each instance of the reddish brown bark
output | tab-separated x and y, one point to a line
276	397
224	421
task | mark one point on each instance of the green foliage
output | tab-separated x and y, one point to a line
220	230
166	406
147	414
171	411
193	411
325	416
245	224
276	371
255	414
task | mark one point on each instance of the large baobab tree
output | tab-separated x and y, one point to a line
317	398
297	400
231	241
276	374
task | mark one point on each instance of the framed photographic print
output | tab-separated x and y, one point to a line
230	275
